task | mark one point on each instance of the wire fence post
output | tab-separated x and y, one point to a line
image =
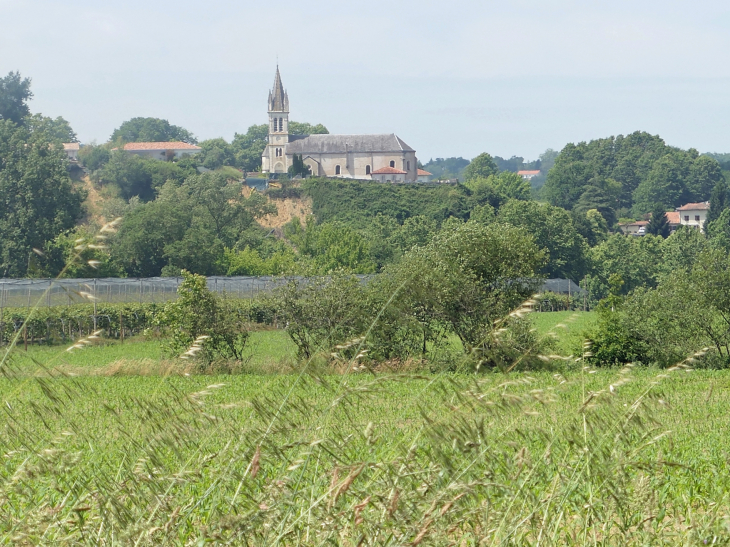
94	305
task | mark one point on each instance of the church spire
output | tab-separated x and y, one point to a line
278	98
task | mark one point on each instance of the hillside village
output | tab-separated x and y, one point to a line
364	309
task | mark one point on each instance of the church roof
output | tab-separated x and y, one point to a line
341	144
278	98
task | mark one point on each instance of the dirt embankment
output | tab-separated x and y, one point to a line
287	208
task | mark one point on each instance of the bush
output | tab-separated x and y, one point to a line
201	320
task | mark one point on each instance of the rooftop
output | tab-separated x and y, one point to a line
71	146
342	144
673	217
528	172
703	206
389	171
424	173
175	145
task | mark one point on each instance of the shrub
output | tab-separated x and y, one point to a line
202	319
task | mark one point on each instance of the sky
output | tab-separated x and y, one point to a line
450	78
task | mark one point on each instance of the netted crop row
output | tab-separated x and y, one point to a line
60	324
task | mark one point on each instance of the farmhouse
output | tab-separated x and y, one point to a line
527	175
347	156
72	150
694	214
161	150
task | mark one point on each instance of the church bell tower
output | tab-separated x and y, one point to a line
274	160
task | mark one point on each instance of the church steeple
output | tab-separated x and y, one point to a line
275	157
278	98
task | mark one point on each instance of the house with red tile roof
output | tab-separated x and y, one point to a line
161	150
527	175
424	176
389	174
694	214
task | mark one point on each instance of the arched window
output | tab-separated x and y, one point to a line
281	124
367	169
408	166
392	163
337	169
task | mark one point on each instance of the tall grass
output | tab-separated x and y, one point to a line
315	458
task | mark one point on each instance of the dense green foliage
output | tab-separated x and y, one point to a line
14	96
458	284
448	168
39	200
134	175
201	325
188	227
635	172
151	130
658	224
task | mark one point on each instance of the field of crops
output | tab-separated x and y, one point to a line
609	457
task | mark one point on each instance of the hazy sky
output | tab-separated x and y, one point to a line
510	77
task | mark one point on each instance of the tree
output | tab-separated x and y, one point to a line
449	168
510	185
39	200
14	95
462	280
595	198
298	167
638	261
480	167
249	147
665	174
94	157
200	317
665	185
151	130
303	128
215	153
58	130
334	246
553	231
718	231
658	224
188	226
681	250
719	201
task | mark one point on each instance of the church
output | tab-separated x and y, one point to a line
385	158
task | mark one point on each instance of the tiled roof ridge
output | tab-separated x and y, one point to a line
389	171
161	145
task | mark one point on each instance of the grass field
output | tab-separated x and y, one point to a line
589	457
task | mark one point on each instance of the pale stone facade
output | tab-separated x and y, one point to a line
346	156
694	214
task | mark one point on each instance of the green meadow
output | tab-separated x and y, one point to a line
98	455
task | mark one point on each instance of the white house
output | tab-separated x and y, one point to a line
424	176
694	214
389	174
161	150
527	175
72	150
637	228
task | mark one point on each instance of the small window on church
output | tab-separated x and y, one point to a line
367	169
337	169
392	163
408	166
281	124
